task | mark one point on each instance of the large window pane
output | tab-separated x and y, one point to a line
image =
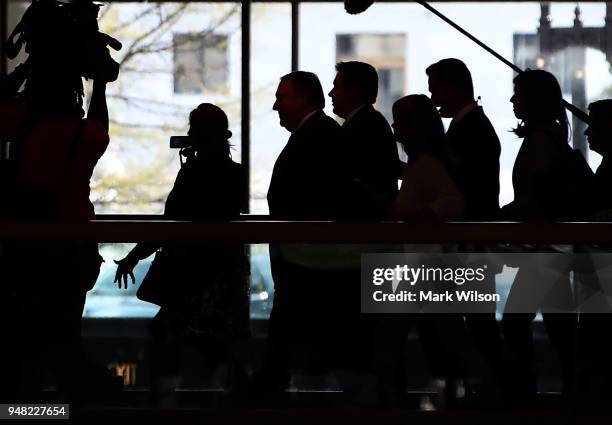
177	55
174	57
428	39
270	59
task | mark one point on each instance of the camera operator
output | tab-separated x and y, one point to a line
54	161
50	174
202	288
53	152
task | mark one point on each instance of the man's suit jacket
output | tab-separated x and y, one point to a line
372	152
310	181
603	183
308	175
474	150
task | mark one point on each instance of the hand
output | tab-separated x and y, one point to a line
125	268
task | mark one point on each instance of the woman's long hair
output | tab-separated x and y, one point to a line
209	125
431	138
542	95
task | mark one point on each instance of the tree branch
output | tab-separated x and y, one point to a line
123	25
147	126
152	48
132	50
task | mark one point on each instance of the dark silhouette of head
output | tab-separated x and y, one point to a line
538	101
599	132
208	129
355	85
64	44
418	127
450	85
298	94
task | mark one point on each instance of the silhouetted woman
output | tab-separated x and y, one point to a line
539	179
427	193
204	296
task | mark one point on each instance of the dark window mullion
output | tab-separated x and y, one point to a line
246	99
295	35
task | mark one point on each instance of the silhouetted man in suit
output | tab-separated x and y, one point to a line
311	157
599	136
372	162
472	141
371	149
307	184
474	151
595	348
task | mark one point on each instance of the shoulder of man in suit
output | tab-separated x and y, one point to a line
320	122
367	118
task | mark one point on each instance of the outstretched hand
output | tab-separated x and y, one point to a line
125	268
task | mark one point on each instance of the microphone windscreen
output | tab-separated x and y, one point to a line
357	6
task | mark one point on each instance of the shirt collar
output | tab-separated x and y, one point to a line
306	118
464	111
353	113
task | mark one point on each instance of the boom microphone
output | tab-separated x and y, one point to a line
357	6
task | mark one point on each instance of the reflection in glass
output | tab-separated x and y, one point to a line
105	300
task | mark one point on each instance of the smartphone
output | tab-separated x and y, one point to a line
179	142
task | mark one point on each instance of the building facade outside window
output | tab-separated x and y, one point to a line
200	63
386	53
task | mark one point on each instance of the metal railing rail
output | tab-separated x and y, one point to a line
265	231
